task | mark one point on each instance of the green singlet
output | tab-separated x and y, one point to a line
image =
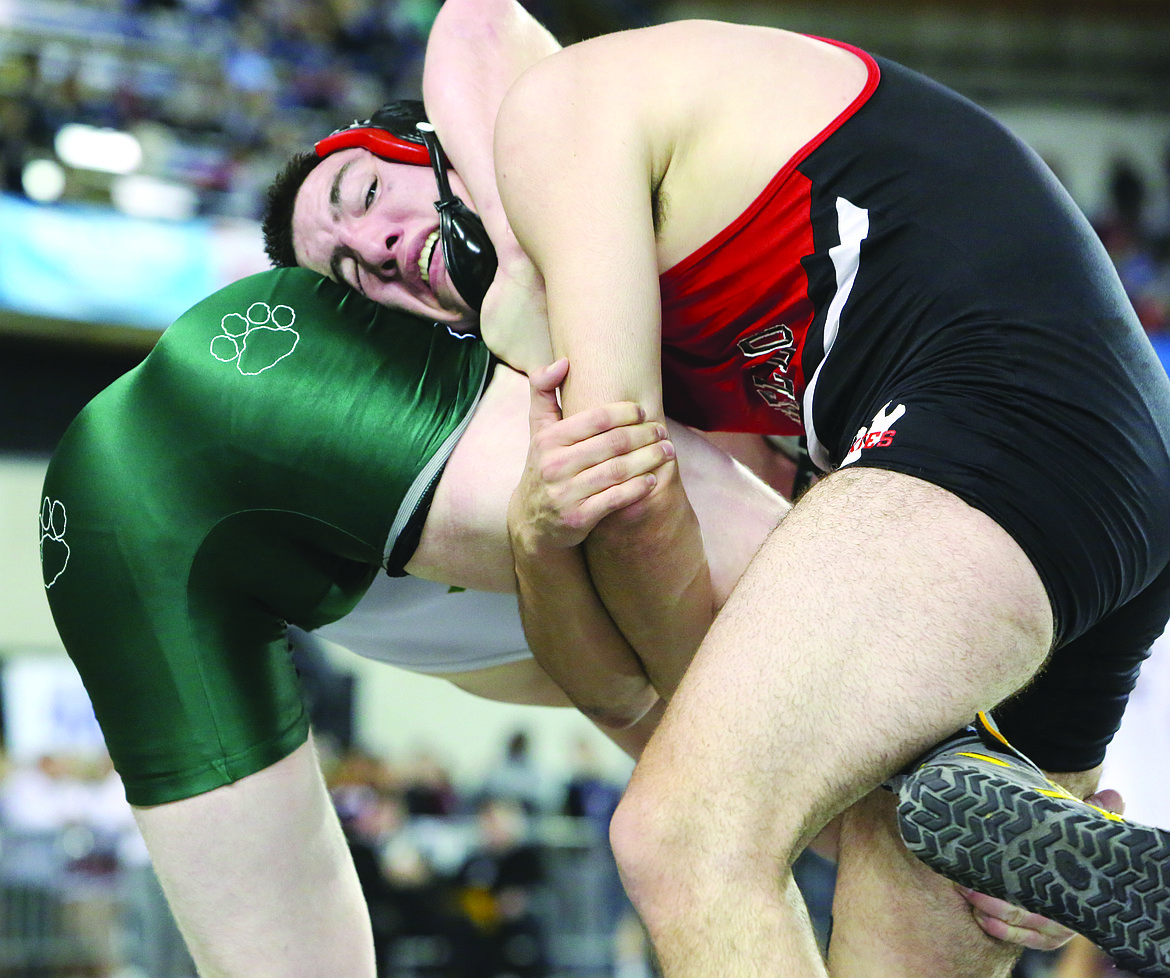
257	469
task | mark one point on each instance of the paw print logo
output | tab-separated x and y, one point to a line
257	340
54	549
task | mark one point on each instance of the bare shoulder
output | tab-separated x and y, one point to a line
703	103
675	69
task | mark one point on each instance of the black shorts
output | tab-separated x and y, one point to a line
987	347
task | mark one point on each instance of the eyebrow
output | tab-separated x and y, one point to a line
340	251
335	187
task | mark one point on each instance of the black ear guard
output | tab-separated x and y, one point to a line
471	259
467	249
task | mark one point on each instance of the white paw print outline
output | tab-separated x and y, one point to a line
53	521
258	339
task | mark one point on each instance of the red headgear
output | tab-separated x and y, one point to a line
380	142
467	249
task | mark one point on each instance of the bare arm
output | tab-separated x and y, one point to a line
579	200
579	470
259	877
466	539
475	51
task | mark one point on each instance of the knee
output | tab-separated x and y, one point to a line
644	847
678	850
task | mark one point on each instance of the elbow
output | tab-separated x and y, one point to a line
624	713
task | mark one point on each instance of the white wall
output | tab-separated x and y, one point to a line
25	622
399	711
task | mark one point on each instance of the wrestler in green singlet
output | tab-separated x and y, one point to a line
274	451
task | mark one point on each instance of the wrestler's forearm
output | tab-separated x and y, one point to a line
651	572
575	640
647	563
259	877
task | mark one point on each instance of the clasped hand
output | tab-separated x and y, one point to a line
582	468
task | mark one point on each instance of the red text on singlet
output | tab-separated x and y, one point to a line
736	312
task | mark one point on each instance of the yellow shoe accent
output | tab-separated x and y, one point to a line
1060	793
989	725
984	757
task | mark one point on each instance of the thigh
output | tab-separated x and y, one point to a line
878	618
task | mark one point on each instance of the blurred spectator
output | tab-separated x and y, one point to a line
68	822
427	785
406	896
1124	229
590	793
499	892
516	776
15	142
592	797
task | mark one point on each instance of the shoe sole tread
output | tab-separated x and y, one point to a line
995	833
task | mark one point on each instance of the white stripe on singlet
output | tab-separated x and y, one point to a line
853	228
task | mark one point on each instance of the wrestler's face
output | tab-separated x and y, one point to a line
372	225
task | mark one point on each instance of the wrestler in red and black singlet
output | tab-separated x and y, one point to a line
916	291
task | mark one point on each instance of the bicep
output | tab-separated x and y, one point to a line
575	165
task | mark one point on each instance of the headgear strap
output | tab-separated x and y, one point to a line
381	142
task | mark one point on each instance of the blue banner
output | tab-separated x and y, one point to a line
93	264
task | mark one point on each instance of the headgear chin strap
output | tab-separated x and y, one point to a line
471	259
467	249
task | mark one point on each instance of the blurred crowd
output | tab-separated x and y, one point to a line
218	92
477	884
511	877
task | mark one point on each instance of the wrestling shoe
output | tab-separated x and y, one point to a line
980	813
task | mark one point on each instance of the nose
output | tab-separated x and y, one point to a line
376	248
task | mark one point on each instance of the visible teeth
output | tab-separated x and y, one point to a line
424	258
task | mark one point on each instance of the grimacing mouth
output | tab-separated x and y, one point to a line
424	257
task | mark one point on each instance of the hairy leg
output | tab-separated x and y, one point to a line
895	918
892	916
878	618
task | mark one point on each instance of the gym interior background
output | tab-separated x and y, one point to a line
136	137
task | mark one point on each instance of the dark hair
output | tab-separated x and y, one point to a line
278	209
399	117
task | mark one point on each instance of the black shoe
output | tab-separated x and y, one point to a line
978	812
